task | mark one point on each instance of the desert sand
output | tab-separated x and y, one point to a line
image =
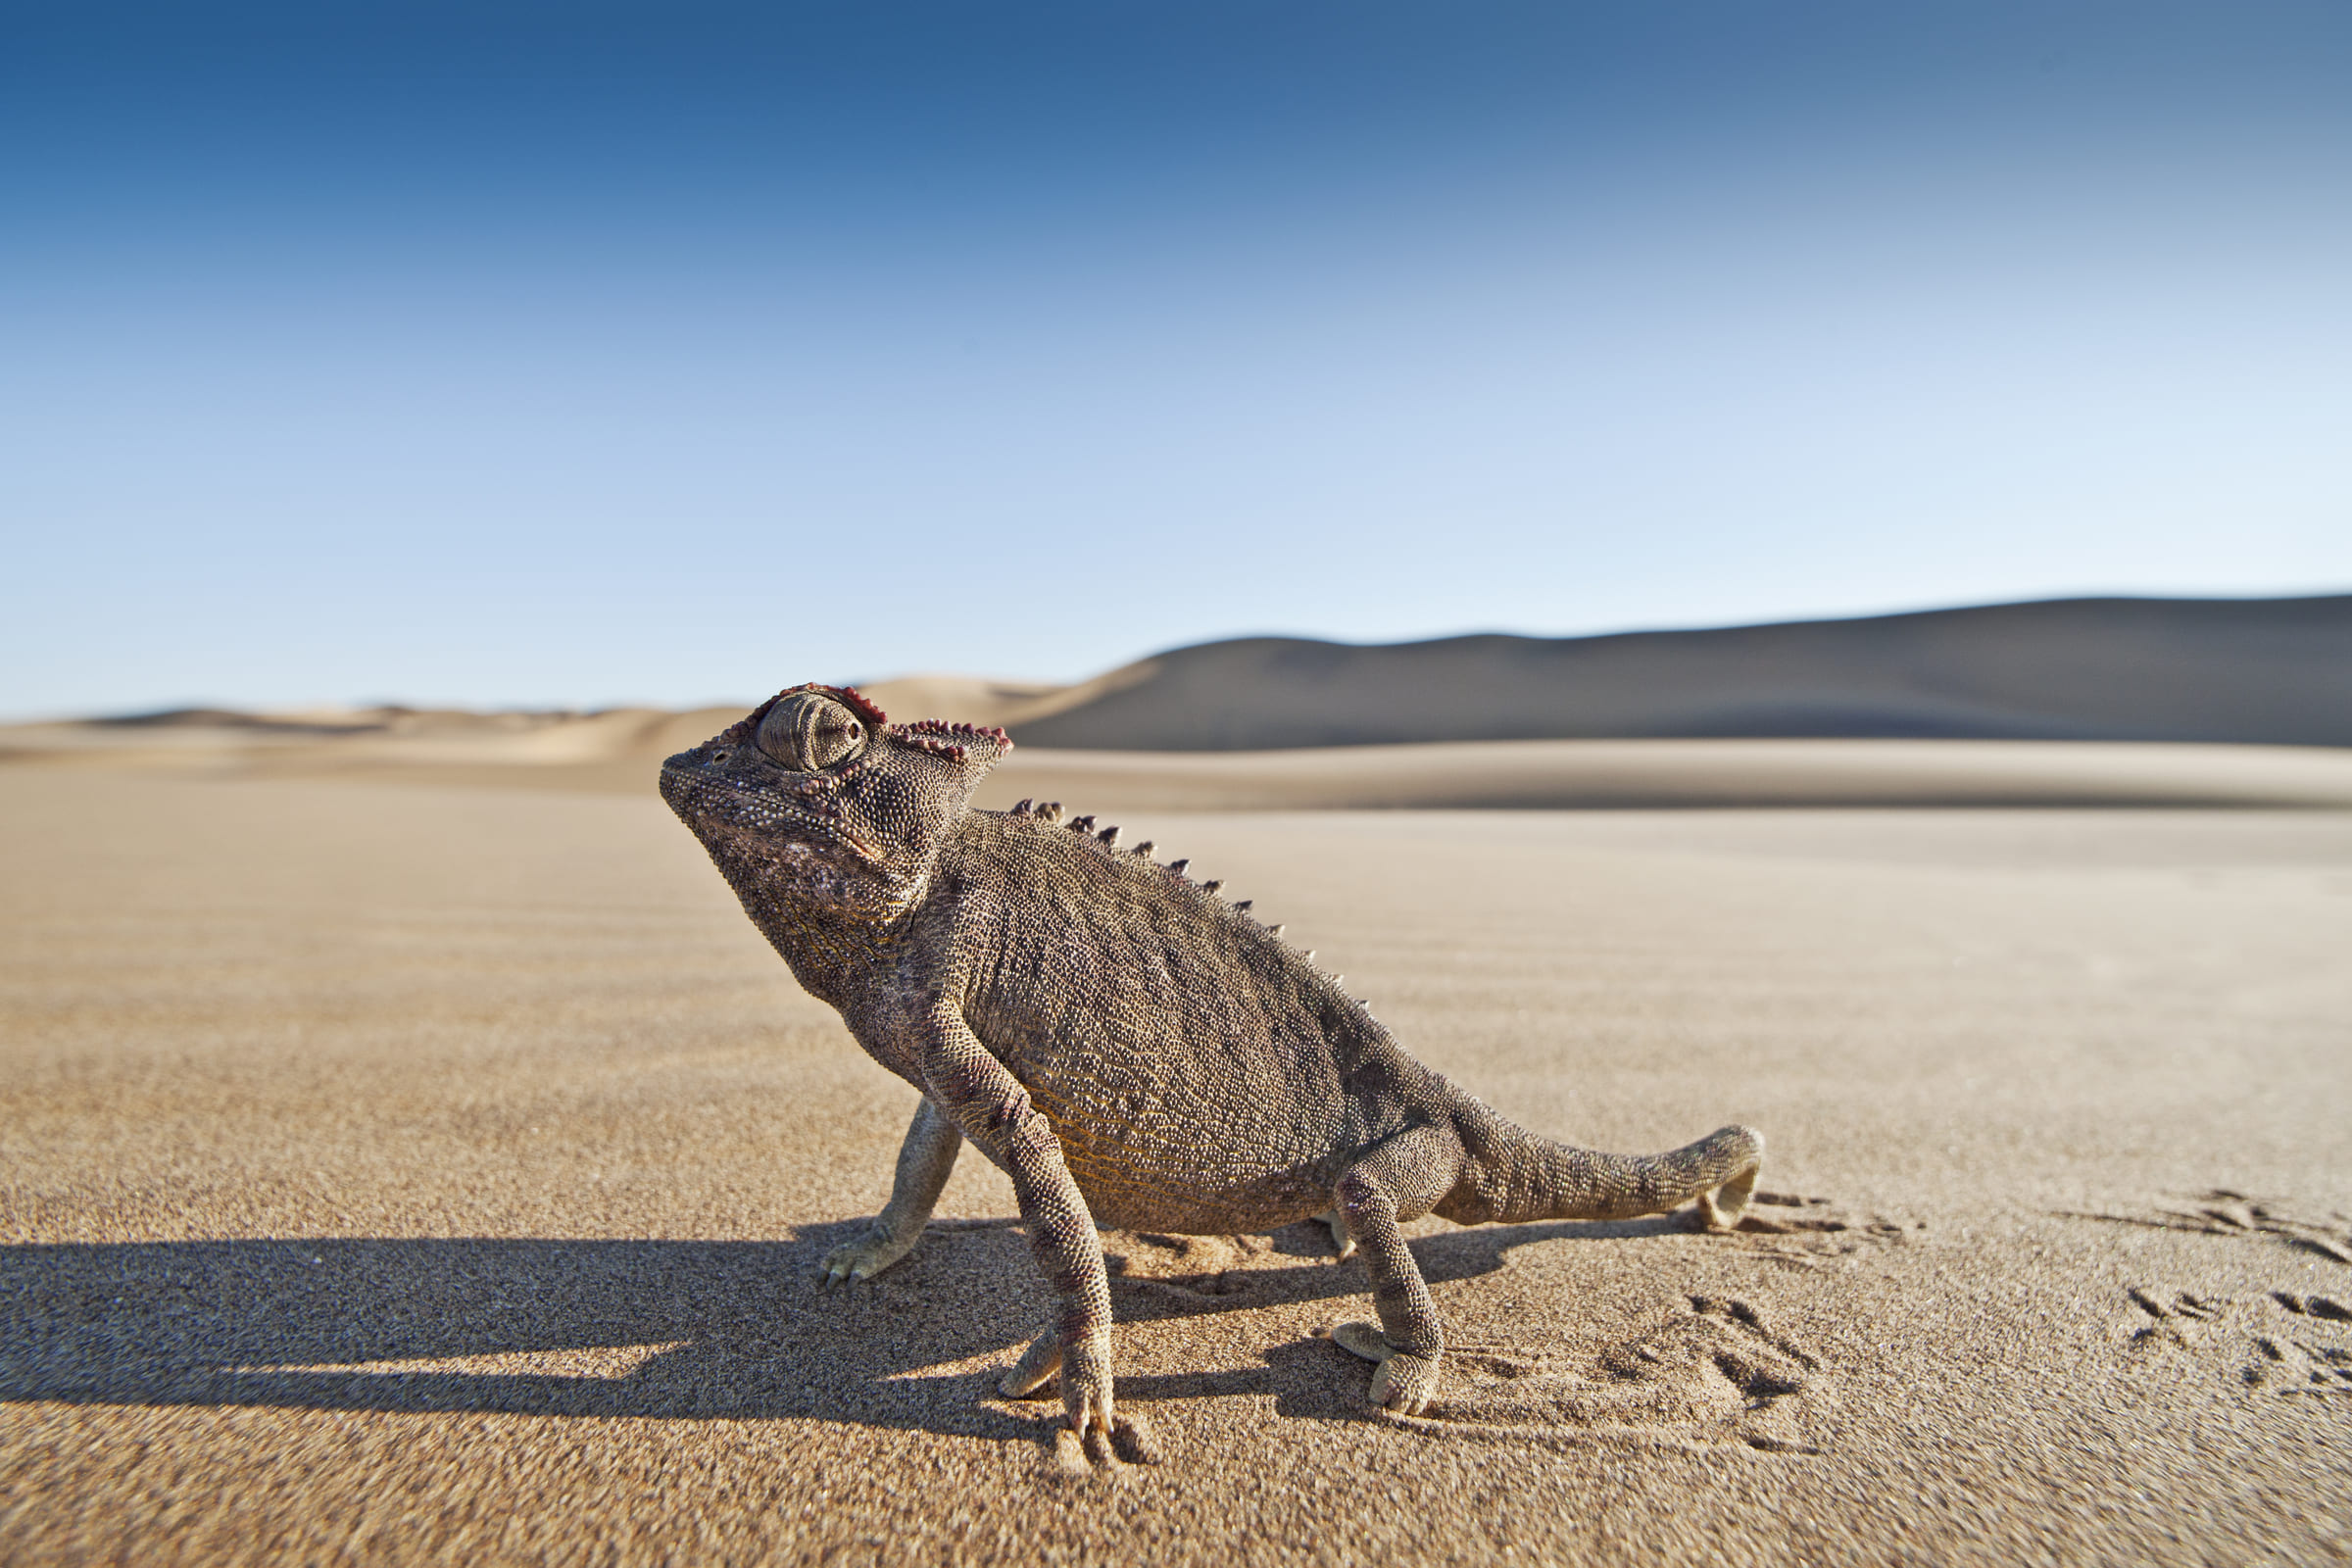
408	1171
621	751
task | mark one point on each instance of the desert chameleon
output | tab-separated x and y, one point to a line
1128	1047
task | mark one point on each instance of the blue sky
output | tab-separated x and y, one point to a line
585	354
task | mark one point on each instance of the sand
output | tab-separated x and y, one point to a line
414	1172
621	751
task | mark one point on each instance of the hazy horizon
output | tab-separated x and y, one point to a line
516	356
877	679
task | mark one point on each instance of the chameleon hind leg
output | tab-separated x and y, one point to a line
1398	1181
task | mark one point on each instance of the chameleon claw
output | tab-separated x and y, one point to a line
1124	1442
1035	1369
1095	1440
1404	1384
858	1261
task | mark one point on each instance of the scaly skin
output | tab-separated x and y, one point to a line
1128	1049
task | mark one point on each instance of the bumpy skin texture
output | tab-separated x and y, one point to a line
1127	1047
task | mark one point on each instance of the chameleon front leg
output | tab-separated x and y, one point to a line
924	1161
994	1112
1398	1180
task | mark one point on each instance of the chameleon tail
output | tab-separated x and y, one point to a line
1543	1179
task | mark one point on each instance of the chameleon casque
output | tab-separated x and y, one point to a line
1129	1049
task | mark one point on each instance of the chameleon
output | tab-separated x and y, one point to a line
1130	1048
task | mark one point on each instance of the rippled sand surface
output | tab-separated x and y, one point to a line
419	1172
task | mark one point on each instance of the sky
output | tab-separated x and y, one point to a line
581	354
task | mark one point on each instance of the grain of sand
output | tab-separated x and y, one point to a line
406	1174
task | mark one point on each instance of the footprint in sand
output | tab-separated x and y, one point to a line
2280	1342
1709	1375
2277	1342
2218	1211
1813	1232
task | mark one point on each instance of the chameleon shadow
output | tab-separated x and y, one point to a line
676	1330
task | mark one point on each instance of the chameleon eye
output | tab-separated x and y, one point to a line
806	732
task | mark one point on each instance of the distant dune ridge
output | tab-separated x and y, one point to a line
2271	671
2105	701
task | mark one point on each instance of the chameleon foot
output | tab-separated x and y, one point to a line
1341	1243
1721	1209
1035	1369
1129	1442
861	1259
1405	1382
1096	1437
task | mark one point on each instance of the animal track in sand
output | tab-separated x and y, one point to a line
2279	1341
2275	1342
2218	1211
1810	1232
1713	1374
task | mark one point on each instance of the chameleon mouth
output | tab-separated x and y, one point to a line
707	799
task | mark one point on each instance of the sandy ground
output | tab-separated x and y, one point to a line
619	752
433	1174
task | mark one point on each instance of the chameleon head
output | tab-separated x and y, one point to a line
817	801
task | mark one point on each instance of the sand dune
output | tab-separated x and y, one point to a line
2276	671
613	749
619	752
962	699
1697	773
2192	702
435	1174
